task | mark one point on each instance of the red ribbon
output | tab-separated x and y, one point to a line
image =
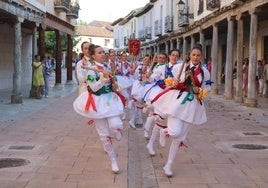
182	145
90	122
162	126
122	98
90	102
159	95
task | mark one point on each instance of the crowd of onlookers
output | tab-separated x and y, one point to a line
261	77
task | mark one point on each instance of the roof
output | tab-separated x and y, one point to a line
96	29
97	23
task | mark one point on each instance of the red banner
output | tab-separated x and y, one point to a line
134	46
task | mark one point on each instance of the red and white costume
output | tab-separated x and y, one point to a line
182	108
104	106
81	74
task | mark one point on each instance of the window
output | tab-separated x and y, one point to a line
106	42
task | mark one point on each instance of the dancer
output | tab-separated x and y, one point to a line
103	103
138	87
155	76
81	73
185	105
124	71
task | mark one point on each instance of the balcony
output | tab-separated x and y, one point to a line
141	35
158	28
238	2
125	41
168	24
116	43
183	21
73	12
61	5
148	32
213	4
132	36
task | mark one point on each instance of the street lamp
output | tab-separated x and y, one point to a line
184	9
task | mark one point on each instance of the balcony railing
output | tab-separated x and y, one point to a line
212	4
158	28
148	32
168	24
62	5
73	12
116	43
132	36
183	21
125	41
141	35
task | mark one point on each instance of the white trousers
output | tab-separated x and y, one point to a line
107	126
177	128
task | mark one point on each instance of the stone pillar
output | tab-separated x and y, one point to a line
34	43
202	42
171	45
34	51
192	41
16	97
239	67
228	86
69	59
58	57
251	100
214	56
184	50
178	43
158	49
41	41
166	47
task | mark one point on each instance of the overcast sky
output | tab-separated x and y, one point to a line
107	10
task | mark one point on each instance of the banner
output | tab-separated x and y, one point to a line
134	46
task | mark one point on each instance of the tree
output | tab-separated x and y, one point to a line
50	40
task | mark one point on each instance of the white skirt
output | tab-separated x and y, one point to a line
107	105
124	82
191	111
138	89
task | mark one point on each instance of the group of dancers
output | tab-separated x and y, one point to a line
168	91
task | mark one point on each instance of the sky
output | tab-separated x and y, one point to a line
107	10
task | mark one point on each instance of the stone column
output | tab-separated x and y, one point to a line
157	48
228	86
166	47
202	42
58	57
41	41
239	67
192	41
184	50
251	100
69	59
171	45
34	43
34	51
214	56
16	97
178	43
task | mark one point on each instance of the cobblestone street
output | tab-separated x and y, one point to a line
64	151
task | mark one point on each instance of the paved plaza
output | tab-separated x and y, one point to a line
63	151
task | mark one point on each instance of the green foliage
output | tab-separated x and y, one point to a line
50	40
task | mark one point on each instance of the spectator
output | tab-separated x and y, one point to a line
38	77
48	69
265	72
